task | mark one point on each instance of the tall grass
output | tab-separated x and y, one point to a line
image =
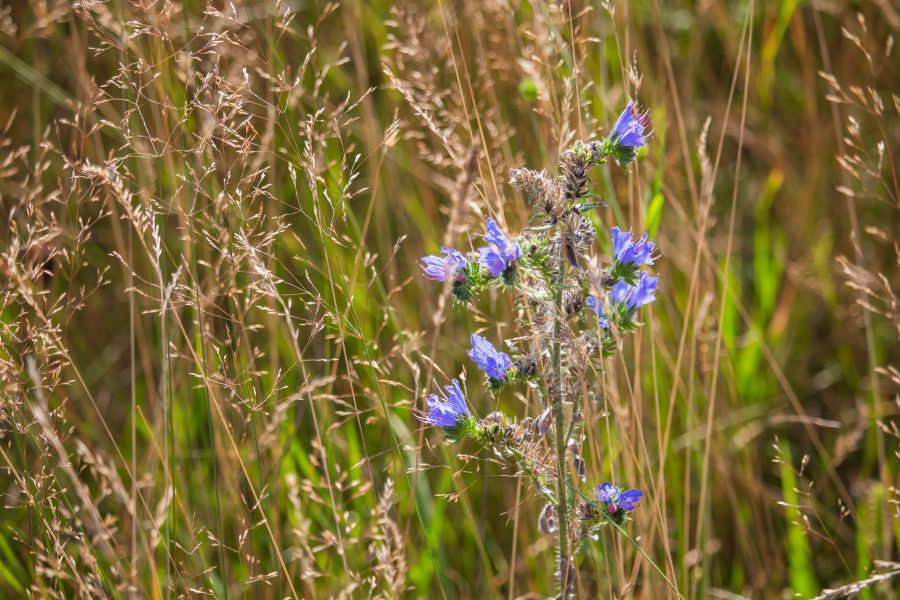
214	330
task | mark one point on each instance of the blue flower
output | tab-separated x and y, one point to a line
628	298
629	130
615	498
488	359
438	268
595	305
607	492
629	499
628	134
448	410
501	254
629	252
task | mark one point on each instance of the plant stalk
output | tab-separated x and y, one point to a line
562	507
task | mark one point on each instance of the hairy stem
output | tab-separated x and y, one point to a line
556	398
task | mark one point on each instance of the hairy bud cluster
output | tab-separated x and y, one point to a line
574	165
542	191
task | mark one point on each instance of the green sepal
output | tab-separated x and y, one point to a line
623	155
598	514
465	427
486	433
607	345
509	276
474	279
627	323
620	517
519	372
583	207
599	152
494	385
627	272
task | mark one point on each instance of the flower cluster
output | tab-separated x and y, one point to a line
627	299
630	287
616	502
629	255
550	269
495	262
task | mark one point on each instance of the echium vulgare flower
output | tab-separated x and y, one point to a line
439	268
616	501
627	298
629	255
494	363
628	134
446	411
594	304
500	257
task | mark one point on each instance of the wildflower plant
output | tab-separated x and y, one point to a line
570	306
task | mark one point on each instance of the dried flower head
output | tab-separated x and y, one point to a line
547	521
542	191
580	232
573	300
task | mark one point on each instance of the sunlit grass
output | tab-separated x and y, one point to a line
214	331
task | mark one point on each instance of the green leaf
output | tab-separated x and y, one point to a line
799	554
653	216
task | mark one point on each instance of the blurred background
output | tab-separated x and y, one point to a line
214	329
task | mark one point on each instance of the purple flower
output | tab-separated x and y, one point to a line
438	268
629	499
631	297
446	411
594	304
615	498
488	359
607	492
629	129
629	252
501	253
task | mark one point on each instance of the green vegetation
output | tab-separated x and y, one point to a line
214	330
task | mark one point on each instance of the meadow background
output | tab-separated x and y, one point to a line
214	330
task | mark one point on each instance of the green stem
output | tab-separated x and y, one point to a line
647	557
556	395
